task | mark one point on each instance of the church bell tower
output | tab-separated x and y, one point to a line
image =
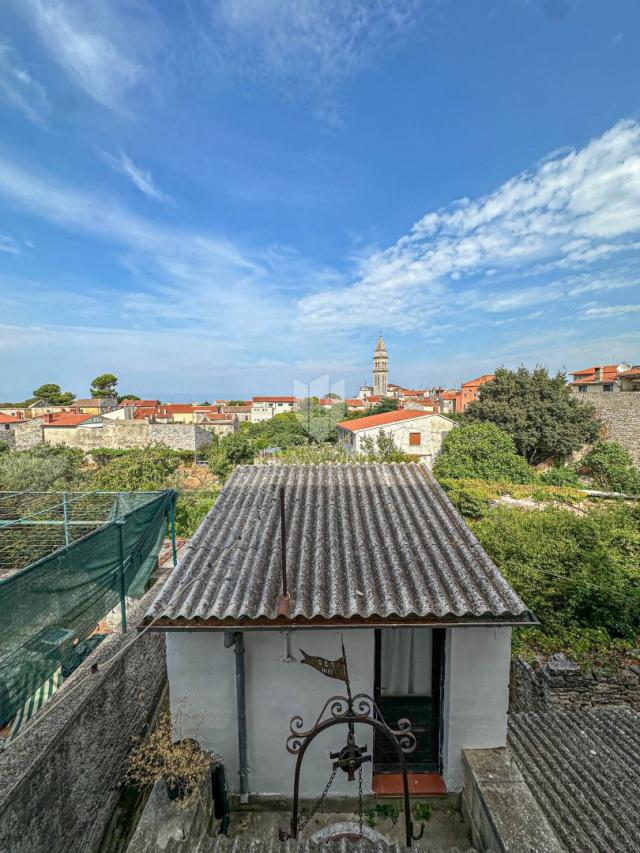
380	368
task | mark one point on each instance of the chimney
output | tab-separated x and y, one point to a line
598	376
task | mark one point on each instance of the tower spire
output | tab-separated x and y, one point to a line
380	368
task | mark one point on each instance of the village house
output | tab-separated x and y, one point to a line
7	429
377	559
470	391
265	408
94	405
243	413
606	378
415	432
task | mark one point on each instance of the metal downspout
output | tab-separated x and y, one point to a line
236	639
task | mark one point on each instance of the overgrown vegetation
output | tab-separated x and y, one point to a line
474	498
610	467
41	469
578	572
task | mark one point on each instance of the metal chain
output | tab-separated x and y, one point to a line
360	806
304	817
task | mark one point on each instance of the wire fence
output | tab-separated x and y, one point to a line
68	560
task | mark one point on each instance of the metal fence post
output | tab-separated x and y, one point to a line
123	602
65	512
172	527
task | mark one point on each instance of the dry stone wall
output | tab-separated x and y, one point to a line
620	416
123	435
560	683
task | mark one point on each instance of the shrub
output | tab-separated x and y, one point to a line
42	468
191	508
610	467
560	476
481	451
237	448
146	468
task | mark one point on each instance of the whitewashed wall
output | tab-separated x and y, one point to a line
476	695
202	682
202	685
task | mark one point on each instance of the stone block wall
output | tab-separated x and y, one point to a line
620	416
561	683
28	434
125	435
60	782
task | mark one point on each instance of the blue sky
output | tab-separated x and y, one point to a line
220	197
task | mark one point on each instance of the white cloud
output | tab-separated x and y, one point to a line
19	88
585	201
8	244
609	311
140	178
101	45
303	47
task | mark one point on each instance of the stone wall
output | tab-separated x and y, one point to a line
59	783
561	683
28	434
620	416
124	435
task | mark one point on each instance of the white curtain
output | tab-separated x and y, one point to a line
405	662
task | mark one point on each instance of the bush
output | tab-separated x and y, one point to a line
481	451
191	508
285	430
237	448
560	476
41	469
610	467
474	498
142	469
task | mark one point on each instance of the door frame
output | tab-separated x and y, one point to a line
437	688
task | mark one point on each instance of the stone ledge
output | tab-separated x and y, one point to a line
498	804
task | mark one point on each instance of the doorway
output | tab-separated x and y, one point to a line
409	665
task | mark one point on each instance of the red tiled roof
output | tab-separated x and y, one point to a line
449	395
140	403
486	377
385	418
9	419
234	409
634	371
60	419
374	398
588	375
354	402
274	399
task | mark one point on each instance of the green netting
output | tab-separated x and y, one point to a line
57	600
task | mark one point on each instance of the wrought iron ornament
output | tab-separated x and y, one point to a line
347	710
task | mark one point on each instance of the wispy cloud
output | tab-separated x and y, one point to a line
585	201
302	47
19	88
8	244
609	311
100	45
140	178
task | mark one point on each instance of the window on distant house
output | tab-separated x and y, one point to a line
414	438
608	387
583	389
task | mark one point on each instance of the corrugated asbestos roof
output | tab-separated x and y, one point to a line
220	844
582	767
364	542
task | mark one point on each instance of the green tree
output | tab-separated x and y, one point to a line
285	430
610	467
385	405
481	451
237	448
122	397
104	385
53	395
541	414
237	403
319	422
382	448
142	469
